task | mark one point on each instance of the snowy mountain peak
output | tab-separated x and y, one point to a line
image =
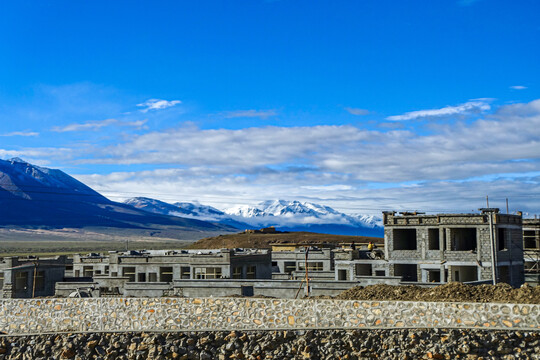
283	207
245	211
286	215
17	160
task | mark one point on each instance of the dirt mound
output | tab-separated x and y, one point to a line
263	241
451	292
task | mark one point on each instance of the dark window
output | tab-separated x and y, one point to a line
129	272
88	271
406	271
141	277
290	266
463	239
501	239
1	280
342	275
434	276
166	274
380	273
40	280
404	239
21	281
433	239
208	273
247	291
185	272
237	272
251	272
504	274
363	269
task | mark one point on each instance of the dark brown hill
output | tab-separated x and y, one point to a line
261	241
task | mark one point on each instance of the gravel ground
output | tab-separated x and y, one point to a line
312	344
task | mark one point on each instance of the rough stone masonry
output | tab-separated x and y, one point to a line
285	344
21	316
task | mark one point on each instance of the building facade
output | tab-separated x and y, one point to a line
111	273
27	277
531	250
454	247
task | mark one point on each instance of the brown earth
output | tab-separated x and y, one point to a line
451	292
262	241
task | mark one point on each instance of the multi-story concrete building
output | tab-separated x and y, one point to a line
360	263
290	261
111	272
26	277
531	250
454	247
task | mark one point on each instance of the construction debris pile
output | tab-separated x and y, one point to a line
451	292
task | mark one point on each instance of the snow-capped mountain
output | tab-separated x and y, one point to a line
245	211
186	210
284	215
294	214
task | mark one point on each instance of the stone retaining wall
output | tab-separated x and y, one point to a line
18	316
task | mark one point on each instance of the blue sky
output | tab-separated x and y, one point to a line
361	105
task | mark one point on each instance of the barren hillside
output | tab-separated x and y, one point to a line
250	240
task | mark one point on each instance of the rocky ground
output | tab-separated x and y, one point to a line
451	292
312	344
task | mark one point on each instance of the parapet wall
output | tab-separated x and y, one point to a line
18	316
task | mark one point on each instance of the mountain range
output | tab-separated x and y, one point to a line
284	215
34	196
38	197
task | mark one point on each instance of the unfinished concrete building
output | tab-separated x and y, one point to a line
531	250
27	277
454	247
110	273
289	261
362	265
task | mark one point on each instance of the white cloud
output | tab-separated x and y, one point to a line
518	87
263	114
505	142
21	133
357	111
96	125
241	148
470	107
157	104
